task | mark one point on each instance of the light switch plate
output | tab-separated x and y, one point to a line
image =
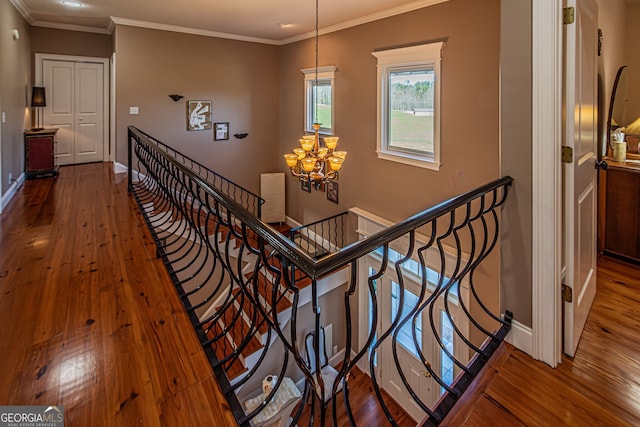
133	110
4	117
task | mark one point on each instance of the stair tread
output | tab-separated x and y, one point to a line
237	332
265	290
234	368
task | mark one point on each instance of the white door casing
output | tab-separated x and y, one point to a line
581	106
86	123
76	108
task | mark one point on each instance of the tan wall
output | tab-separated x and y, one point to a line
632	59
469	106
516	146
470	117
15	91
612	16
73	43
239	77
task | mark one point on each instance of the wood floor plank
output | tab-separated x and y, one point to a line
93	321
490	414
599	386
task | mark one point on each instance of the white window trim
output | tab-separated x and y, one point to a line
426	54
324	73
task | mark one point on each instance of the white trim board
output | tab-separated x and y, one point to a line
11	191
119	168
521	337
112	110
547	51
71	27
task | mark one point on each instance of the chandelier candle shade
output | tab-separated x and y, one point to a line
311	162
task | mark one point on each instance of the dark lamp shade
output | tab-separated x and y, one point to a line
38	98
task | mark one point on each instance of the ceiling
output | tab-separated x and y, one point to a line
253	20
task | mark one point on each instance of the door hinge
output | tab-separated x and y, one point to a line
568	15
567	294
567	154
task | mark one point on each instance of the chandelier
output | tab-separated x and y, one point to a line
312	162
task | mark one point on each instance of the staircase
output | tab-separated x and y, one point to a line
233	322
242	284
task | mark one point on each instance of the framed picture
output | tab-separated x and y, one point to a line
332	191
198	115
306	186
220	131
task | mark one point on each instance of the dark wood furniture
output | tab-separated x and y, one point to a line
40	152
622	210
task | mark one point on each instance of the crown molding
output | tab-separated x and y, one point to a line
26	13
23	9
70	27
365	19
187	30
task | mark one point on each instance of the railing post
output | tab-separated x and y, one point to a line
129	166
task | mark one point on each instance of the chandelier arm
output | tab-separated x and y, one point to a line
302	175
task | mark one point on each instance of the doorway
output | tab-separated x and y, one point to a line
580	178
77	104
400	365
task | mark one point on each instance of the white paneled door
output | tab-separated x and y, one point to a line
581	103
75	105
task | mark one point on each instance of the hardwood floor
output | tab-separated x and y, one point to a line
599	387
90	319
91	322
364	406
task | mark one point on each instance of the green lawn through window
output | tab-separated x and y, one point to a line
411	132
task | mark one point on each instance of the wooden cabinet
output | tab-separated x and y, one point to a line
40	152
622	211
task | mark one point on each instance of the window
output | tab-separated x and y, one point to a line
408	105
413	267
446	363
405	336
318	98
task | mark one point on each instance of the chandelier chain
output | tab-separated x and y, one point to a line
315	94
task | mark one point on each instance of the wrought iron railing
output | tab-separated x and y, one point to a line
248	200
253	315
322	237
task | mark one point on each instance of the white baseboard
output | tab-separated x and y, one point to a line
119	168
11	191
292	222
521	337
336	358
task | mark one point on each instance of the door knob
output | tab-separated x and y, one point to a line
601	164
425	374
